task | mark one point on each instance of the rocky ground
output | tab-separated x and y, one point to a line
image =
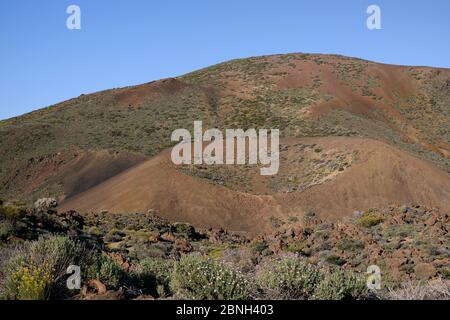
142	256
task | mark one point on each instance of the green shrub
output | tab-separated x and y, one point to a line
201	278
341	284
370	219
289	278
258	246
276	223
350	245
113	238
216	252
299	247
49	257
95	232
184	229
116	232
445	272
58	252
6	229
335	259
310	215
155	274
12	212
103	268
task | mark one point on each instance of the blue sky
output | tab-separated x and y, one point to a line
126	42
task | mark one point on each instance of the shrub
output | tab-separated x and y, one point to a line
350	245
114	235
155	274
299	247
184	229
113	238
95	232
335	259
201	278
30	281
216	252
6	229
103	268
276	223
12	212
445	272
49	257
341	284
259	246
370	219
58	252
289	278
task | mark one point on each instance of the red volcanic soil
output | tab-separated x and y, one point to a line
381	175
75	171
399	114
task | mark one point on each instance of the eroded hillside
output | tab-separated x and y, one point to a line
78	145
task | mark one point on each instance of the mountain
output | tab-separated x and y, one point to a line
355	134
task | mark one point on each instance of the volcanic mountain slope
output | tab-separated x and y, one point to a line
69	148
330	176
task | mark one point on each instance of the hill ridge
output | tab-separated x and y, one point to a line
305	95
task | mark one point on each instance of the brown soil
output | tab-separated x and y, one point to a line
381	175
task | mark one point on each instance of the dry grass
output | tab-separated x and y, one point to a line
433	290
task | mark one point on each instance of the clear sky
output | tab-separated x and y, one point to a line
126	42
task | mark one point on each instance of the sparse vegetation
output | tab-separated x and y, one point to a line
70	147
318	260
255	93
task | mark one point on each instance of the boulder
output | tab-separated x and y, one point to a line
168	236
183	245
154	237
120	260
98	286
45	204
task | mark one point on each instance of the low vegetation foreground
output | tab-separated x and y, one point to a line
142	256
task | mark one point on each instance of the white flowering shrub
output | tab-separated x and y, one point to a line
154	274
290	277
201	278
342	284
